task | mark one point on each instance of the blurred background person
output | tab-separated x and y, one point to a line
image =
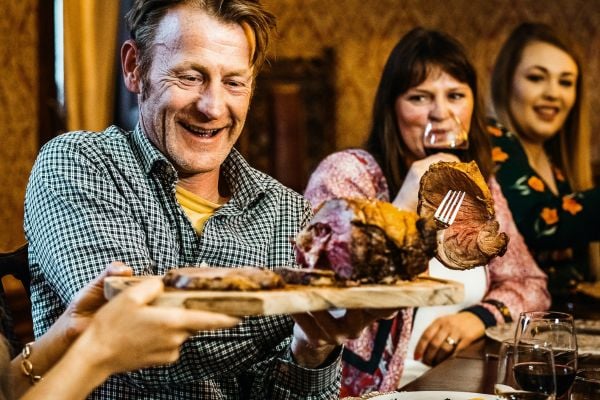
541	140
427	79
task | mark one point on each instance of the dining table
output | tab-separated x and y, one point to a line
473	369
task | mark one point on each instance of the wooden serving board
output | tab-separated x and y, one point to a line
296	299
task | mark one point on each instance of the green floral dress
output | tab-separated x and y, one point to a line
556	228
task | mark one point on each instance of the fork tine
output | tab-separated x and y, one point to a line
441	208
458	202
449	208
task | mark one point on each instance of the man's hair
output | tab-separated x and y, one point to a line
570	148
414	57
145	16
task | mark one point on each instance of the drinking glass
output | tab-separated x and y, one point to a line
448	136
587	385
556	329
525	371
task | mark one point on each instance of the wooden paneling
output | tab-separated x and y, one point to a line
362	33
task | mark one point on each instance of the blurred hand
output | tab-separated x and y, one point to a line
318	333
434	347
408	195
127	333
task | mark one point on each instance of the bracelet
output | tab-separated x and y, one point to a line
27	366
501	307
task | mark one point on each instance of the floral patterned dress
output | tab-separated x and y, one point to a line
375	361
557	228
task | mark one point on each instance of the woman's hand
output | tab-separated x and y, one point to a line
87	301
121	335
446	335
408	195
127	333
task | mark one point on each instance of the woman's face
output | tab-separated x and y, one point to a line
543	91
439	100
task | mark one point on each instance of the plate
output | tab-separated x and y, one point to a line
296	298
434	395
588	334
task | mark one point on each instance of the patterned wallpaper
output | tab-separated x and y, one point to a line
18	110
363	33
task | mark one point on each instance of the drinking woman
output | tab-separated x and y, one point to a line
427	79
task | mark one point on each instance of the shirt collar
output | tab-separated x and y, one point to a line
245	183
149	154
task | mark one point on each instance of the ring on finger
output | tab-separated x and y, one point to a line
451	341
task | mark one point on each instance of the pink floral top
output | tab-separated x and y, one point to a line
375	360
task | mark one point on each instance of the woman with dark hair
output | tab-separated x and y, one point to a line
427	79
542	149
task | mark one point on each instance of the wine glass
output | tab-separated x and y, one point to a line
505	380
587	385
525	371
556	329
448	136
534	368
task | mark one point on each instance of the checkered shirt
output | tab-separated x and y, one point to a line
94	198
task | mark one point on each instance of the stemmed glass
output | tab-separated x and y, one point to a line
526	371
449	136
557	330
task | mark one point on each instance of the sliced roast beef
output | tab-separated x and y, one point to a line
474	238
366	240
222	278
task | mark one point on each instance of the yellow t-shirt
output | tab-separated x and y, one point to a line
195	207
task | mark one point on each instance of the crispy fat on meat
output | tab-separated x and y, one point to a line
366	240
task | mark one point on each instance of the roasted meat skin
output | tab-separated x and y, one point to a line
474	238
222	278
366	240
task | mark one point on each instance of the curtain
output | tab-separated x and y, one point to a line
90	42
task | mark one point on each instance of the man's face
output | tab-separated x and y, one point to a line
198	90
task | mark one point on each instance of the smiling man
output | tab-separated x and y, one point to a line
175	193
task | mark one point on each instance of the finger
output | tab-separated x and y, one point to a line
197	320
118	268
143	292
445	350
115	268
311	330
436	342
356	320
462	343
334	329
424	341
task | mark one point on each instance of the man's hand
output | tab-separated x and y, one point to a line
446	335
318	333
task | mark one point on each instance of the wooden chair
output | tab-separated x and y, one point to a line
14	296
16	263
